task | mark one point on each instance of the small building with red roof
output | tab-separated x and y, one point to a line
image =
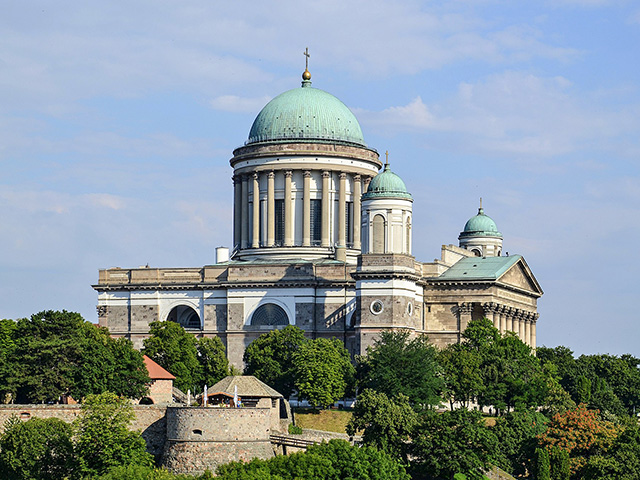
161	386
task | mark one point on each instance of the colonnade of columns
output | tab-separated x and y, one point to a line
505	318
247	234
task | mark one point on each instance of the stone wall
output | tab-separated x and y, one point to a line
149	419
203	438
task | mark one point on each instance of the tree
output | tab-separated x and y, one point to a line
103	438
174	349
454	442
213	360
387	423
517	438
38	449
542	465
579	432
398	364
462	374
335	460
270	358
323	371
8	373
55	353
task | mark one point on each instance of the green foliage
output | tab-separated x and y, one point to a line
542	465
621	461
387	423
398	364
38	449
323	371
559	461
462	368
270	358
511	375
294	429
604	382
453	442
516	433
213	360
174	349
141	472
55	353
336	460
103	440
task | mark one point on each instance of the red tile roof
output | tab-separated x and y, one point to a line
156	372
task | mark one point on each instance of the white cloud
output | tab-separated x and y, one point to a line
515	114
233	103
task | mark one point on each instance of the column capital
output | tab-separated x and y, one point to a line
271	174
465	307
307	173
357	177
343	175
288	173
490	307
326	174
254	175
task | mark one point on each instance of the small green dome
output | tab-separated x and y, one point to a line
306	114
387	184
481	225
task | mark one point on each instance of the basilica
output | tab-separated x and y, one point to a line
322	239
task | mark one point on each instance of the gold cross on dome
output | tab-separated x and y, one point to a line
387	155
306	60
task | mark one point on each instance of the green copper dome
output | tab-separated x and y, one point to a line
481	225
306	114
387	184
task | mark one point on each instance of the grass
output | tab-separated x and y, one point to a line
327	420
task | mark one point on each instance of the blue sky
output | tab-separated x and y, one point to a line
117	121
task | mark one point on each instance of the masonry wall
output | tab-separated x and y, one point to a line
149	420
203	438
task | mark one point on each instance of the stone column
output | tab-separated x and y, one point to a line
341	253
255	240
502	318
490	310
508	317
464	310
271	209
237	206
367	181
306	209
326	205
527	329
357	213
244	225
288	216
534	321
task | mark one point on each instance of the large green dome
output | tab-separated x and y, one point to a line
385	185
481	225
306	114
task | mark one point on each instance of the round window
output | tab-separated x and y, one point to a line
376	307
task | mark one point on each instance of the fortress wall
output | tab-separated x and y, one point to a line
149	419
203	438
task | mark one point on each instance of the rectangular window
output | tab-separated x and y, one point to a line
349	226
316	222
279	206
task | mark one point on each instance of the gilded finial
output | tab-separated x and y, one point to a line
386	163
480	210
306	75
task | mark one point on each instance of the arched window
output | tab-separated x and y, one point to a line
476	252
269	314
378	240
185	316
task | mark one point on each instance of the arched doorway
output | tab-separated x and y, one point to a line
186	316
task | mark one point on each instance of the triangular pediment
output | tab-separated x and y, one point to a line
519	275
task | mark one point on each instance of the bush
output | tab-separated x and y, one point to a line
294	429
